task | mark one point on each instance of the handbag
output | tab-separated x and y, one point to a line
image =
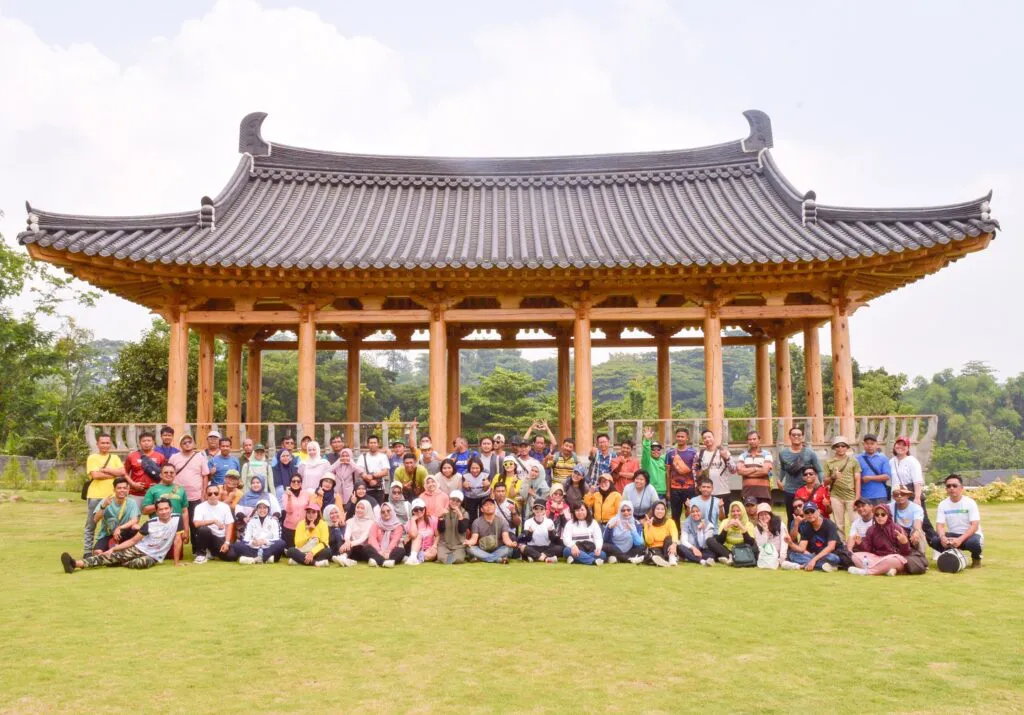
768	558
743	556
88	480
917	563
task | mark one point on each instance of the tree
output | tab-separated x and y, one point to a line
503	400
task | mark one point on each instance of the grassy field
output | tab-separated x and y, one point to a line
481	638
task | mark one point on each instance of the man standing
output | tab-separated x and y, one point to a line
411	475
818	545
489	538
166	446
679	465
223	462
842	477
376	466
147	548
192	473
958	522
624	465
142	467
212	444
287	444
874	472
102	468
337	444
652	462
793	460
489	458
248	446
524	462
428	457
462	455
560	466
395	455
717	464
755	469
601	457
215	525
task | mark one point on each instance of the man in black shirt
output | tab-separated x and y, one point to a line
819	546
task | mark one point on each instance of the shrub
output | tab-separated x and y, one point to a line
994	492
12	477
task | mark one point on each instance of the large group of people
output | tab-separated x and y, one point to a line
531	498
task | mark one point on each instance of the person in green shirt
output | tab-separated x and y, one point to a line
842	477
174	493
652	462
116	517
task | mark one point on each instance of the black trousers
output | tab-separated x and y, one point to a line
718	549
473	507
611	549
365	552
300	556
206	540
288	535
788	498
679	497
540	552
192	518
667	549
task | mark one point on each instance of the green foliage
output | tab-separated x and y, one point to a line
503	400
12	477
998	491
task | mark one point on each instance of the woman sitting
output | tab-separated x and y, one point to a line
384	547
312	542
399	504
576	487
623	537
884	549
335	519
294	509
360	494
539	540
557	508
697	539
261	543
660	536
256	493
640	494
582	538
422	534
604	501
735	529
357	533
435	501
771	538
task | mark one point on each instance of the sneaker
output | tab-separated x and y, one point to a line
371	562
724	560
338	560
529	559
791	566
976	563
247	560
412	561
503	561
569	560
854	570
598	562
708	562
68	562
270	560
659	561
891	572
636	560
347	562
321	564
673	560
293	562
201	558
552	559
388	563
613	559
827	567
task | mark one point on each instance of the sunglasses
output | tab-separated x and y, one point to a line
880	513
215	492
418	508
296	481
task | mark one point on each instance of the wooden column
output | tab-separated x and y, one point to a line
664	386
714	384
438	379
783	385
564	388
253	391
234	391
812	381
306	402
353	396
842	368
177	372
584	380
204	395
454	419
763	370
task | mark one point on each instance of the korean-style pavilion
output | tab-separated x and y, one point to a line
458	249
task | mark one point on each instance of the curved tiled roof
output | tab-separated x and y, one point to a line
724	204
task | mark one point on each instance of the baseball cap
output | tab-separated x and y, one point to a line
750	501
232	473
457	494
259	448
869	438
810	506
418	503
213	433
314	506
762	508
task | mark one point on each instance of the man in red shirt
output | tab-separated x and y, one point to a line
815	491
142	467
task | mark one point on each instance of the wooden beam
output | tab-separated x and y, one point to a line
246	317
763	372
500	315
783	386
842	369
664	386
253	390
523	344
234	392
454	419
306	399
564	388
204	394
812	382
584	379
177	372
656	314
353	397
438	383
378	317
754	312
714	384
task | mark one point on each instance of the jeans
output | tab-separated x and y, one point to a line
491	557
973	545
585	558
274	549
90	526
803	558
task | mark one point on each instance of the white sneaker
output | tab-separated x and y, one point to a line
347	562
613	559
247	560
569	560
321	564
855	571
529	559
598	562
827	567
412	561
293	562
659	561
270	560
371	562
673	560
552	559
338	560
708	562
791	566
636	560
388	563
201	559
891	572
724	560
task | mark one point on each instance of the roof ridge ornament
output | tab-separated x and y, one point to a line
809	209
250	140
760	131
207	213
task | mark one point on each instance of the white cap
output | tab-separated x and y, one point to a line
457	494
418	503
213	433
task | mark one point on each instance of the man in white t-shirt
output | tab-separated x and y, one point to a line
861	523
215	526
377	467
147	548
958	524
909	516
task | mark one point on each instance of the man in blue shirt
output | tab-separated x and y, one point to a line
462	455
874	473
222	462
166	446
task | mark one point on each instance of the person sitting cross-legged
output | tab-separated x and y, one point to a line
695	542
357	534
884	547
261	543
582	538
660	536
215	526
422	531
312	541
489	538
539	540
147	548
384	547
116	517
818	544
734	530
623	537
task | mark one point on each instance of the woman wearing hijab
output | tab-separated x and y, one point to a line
312	541
769	534
452	531
695	541
399	504
422	534
313	467
261	543
357	533
296	499
359	495
325	493
605	500
884	548
623	538
434	500
335	519
283	472
733	530
256	493
582	538
348	474
532	489
576	487
448	480
660	536
384	547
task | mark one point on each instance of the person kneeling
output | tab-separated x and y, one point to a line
311	540
539	540
261	543
147	548
883	549
660	536
582	538
489	540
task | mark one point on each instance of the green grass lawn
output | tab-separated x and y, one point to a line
525	637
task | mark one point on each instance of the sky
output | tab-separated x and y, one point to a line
120	107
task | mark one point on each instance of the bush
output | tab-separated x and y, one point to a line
12	477
995	492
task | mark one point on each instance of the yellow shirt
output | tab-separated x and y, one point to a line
102	488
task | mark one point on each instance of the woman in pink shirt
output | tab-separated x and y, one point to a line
435	501
422	535
294	505
384	547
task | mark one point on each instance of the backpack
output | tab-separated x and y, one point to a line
149	467
743	556
768	558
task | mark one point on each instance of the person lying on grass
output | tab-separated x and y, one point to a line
147	548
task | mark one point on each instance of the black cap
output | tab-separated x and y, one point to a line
489	499
515	440
750	501
872	437
655	445
810	506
